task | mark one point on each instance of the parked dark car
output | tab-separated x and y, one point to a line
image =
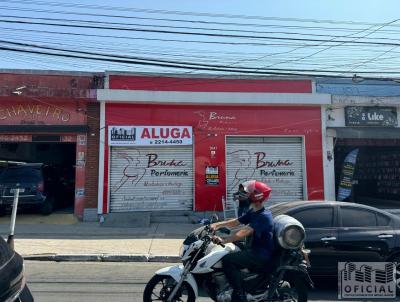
342	231
12	280
38	185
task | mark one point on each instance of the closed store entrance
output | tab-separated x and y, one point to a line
376	168
151	178
277	161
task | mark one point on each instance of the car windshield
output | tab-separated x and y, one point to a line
21	174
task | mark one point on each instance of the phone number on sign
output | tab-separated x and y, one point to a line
167	142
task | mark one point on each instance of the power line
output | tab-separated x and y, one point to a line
327	48
187	13
204	22
192	50
179	20
202	34
290	42
179	65
107	47
331	46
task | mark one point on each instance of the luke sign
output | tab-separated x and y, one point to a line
149	135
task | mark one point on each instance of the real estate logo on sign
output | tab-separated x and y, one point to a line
362	280
122	135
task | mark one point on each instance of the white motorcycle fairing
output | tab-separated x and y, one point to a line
214	254
176	272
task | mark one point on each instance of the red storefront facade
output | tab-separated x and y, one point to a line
50	118
236	129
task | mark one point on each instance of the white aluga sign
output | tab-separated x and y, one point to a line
150	136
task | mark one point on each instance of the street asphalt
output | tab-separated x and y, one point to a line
105	282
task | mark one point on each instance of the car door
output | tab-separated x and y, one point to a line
365	235
320	223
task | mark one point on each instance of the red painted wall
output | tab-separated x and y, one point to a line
57	86
211	124
208	85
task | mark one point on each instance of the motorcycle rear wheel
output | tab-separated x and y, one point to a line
159	287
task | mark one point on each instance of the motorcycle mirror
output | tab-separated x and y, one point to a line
224	230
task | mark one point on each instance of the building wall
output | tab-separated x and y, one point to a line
92	159
211	125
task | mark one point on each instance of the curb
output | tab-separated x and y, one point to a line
102	258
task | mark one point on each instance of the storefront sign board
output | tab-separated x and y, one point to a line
41	113
150	135
371	116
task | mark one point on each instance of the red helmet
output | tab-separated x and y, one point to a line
257	190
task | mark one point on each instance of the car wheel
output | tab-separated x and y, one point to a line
47	206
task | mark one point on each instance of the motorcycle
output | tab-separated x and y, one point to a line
13	286
201	274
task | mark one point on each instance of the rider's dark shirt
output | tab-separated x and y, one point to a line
261	222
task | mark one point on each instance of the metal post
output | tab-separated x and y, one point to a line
10	239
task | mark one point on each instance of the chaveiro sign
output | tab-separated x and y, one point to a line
150	135
371	116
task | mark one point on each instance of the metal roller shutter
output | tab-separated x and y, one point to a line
277	161
148	178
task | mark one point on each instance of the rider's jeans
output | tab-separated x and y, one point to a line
233	263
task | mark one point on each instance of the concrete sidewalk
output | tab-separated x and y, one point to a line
80	241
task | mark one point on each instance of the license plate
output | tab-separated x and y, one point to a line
20	190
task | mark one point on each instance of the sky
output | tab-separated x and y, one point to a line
290	36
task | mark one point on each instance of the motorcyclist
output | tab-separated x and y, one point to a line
258	222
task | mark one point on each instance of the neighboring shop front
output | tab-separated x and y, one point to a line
363	144
43	120
189	150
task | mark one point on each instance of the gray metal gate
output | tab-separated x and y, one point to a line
277	161
151	178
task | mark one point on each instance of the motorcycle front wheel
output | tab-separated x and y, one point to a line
160	287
